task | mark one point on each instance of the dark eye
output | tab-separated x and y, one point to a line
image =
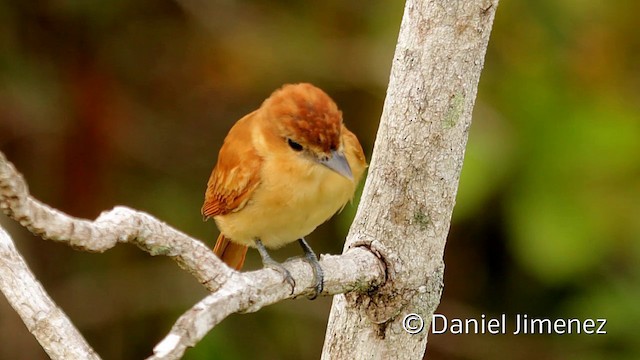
294	145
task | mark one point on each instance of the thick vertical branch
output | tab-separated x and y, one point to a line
406	207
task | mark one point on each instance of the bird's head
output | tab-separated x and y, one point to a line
305	122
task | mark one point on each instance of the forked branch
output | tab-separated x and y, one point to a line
231	291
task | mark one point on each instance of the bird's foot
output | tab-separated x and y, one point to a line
318	273
286	275
269	263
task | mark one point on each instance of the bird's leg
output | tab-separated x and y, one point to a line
268	262
318	273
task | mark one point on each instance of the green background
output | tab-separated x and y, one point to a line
127	103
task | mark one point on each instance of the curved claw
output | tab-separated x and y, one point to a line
268	262
286	275
318	273
318	276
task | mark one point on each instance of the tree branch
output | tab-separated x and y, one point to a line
120	225
408	198
356	270
232	291
51	327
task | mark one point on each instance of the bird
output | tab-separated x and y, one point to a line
282	170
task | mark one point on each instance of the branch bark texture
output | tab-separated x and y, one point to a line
405	210
44	319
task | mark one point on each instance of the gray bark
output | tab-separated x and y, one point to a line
44	319
405	210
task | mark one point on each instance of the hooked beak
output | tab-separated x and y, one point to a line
338	163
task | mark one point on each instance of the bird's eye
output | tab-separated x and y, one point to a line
294	145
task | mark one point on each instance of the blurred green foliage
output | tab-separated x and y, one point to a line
128	102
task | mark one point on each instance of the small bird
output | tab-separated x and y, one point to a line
282	170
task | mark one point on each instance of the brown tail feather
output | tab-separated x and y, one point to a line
231	253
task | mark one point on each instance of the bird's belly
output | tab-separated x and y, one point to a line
279	214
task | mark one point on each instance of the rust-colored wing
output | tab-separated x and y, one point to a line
237	172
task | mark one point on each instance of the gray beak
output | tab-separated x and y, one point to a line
338	163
